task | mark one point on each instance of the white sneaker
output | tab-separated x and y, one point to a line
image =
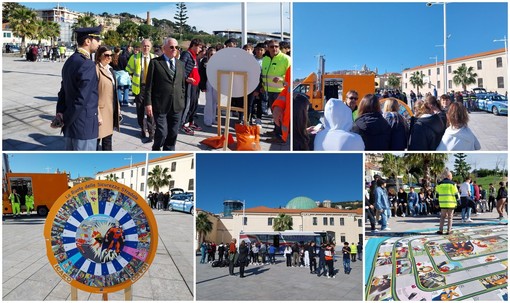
469	220
334	277
329	277
387	228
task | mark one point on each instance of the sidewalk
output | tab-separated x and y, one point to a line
278	283
29	96
27	274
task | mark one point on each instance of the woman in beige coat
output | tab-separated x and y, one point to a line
109	113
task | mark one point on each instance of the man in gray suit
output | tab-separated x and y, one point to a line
164	95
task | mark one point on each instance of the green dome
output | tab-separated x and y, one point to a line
301	203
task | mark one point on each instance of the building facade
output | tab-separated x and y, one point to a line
181	168
64	17
345	225
491	69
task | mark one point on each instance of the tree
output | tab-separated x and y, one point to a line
52	30
112	177
180	17
394	81
464	76
429	162
145	31
128	30
113	38
158	178
22	22
417	80
282	222
85	21
461	167
38	31
8	8
392	166
203	226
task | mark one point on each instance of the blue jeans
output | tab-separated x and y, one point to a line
79	144
322	268
466	210
422	208
123	94
202	260
347	264
384	220
412	209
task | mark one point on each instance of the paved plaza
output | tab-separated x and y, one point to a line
278	283
28	276
29	97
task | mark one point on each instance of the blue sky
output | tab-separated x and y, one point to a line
262	17
390	36
79	165
274	179
485	160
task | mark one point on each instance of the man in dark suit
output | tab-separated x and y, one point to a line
164	95
77	103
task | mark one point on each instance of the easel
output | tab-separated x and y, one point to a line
229	107
128	294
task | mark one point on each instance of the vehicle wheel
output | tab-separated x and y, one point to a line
170	208
191	211
42	211
495	110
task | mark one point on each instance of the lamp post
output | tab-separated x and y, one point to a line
445	75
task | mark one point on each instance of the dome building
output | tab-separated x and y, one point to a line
301	203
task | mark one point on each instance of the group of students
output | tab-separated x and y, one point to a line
318	258
372	125
468	197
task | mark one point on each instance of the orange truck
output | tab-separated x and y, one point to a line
47	188
320	87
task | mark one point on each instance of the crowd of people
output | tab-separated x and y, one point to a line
369	125
319	259
45	53
166	82
447	196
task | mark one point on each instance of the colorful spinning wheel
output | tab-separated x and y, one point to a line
101	236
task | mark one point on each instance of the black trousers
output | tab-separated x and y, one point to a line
167	128
313	265
241	269
329	264
289	260
191	99
145	122
231	267
106	143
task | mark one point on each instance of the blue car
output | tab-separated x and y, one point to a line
494	103
182	202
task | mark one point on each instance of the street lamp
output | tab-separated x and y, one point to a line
445	84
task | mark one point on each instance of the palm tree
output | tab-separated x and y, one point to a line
282	222
393	166
38	31
464	76
112	177
417	80
22	23
429	162
393	81
203	226
158	178
85	21
52	30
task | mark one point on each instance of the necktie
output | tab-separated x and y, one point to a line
172	69
145	68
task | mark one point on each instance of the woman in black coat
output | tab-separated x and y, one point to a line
243	258
371	125
428	130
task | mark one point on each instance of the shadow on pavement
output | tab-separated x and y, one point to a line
51	99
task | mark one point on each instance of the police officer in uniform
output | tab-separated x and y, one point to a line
77	102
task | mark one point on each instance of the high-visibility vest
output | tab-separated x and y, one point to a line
282	102
134	67
354	249
447	194
274	67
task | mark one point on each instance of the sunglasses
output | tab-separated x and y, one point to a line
352	98
107	55
173	47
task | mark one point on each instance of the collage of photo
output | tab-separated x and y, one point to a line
254	151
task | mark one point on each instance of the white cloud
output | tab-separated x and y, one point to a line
261	17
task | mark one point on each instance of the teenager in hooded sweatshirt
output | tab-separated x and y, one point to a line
337	125
428	129
458	136
371	125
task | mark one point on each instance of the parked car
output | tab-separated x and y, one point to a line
494	103
176	191
182	202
